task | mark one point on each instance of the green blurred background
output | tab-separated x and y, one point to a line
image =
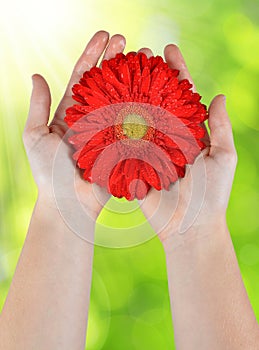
220	40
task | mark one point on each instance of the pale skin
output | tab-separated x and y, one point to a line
209	303
48	299
47	304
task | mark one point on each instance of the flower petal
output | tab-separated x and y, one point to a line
174	113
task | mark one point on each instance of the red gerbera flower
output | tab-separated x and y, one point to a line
136	125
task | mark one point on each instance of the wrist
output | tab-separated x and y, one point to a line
194	236
63	216
82	203
198	255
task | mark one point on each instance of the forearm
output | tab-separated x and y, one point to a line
208	296
47	304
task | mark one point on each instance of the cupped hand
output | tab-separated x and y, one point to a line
200	199
45	140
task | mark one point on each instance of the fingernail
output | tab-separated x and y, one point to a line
225	100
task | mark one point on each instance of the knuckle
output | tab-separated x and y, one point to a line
231	157
30	137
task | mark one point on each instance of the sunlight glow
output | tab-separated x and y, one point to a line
39	17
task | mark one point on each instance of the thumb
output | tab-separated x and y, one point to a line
221	136
40	104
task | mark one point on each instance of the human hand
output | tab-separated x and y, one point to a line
199	199
48	150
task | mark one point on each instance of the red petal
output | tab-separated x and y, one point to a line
185	84
164	141
86	162
141	189
116	183
79	140
155	162
112	92
150	175
145	81
177	157
96	91
135	78
99	141
124	74
94	72
78	98
159	79
165	181
155	61
180	170
110	77
105	164
197	131
143	61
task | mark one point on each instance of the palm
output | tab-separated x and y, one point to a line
47	147
202	195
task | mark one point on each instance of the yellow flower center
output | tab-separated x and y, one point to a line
134	126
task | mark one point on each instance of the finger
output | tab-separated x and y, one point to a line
40	104
221	136
175	60
116	45
147	52
88	59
